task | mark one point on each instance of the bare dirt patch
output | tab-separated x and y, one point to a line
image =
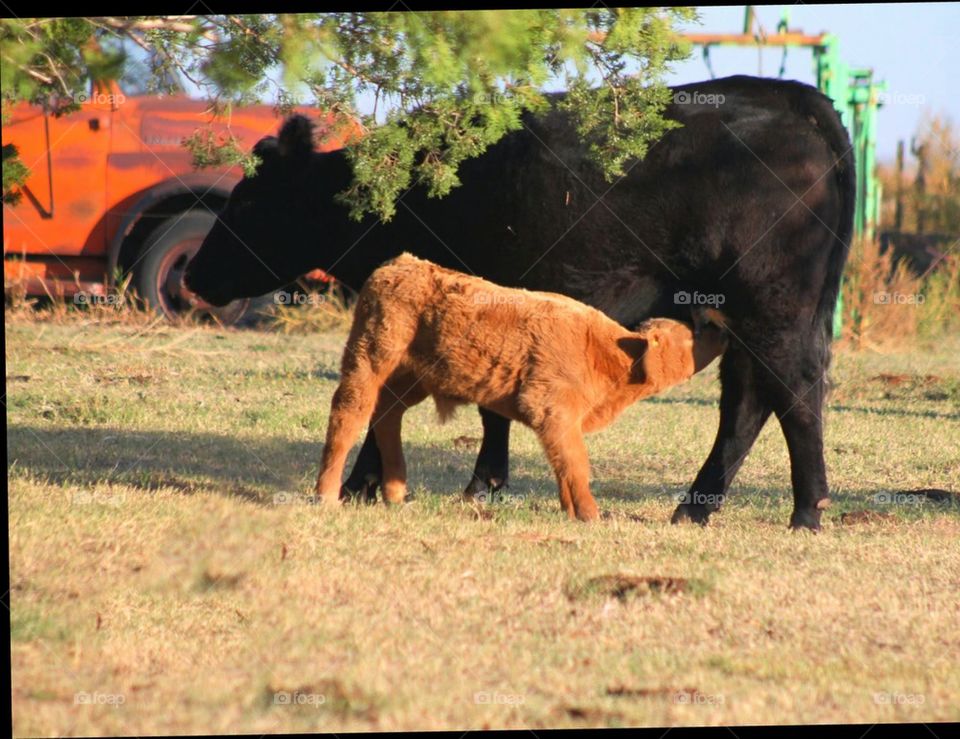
623	587
854	518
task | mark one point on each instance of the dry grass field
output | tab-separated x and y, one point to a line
167	577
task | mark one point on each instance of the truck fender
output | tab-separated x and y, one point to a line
199	184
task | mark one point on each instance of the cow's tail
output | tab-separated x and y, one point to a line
836	136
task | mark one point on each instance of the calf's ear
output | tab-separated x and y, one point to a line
653	356
636	349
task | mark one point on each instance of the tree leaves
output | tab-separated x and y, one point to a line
431	88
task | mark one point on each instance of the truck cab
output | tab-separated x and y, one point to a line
111	192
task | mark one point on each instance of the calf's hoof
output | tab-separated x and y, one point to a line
692	512
394	493
329	500
585	512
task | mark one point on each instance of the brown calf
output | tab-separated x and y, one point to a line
546	360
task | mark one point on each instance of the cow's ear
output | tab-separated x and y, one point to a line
266	151
296	138
266	147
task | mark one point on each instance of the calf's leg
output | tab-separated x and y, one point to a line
387	431
351	408
395	398
804	434
567	452
491	471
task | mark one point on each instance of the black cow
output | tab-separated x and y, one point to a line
748	205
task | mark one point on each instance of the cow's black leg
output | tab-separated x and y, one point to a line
364	478
799	411
786	375
742	415
493	462
795	383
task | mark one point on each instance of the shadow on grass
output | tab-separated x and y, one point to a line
892	412
840	408
253	469
256	469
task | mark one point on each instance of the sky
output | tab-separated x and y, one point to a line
914	47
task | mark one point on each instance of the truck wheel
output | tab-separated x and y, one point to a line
163	257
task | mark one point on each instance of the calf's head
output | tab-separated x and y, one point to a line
279	223
674	352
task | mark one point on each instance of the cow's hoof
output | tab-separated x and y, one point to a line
692	512
483	497
474	488
805	520
478	488
365	492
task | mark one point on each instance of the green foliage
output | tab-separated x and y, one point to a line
444	85
237	67
622	117
50	57
455	82
211	149
49	61
14	172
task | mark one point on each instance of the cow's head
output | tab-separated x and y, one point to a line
278	224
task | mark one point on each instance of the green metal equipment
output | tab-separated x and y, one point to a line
856	95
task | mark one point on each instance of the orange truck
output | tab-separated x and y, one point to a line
112	192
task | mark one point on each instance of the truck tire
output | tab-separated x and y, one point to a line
162	259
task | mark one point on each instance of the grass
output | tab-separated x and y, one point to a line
167	578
